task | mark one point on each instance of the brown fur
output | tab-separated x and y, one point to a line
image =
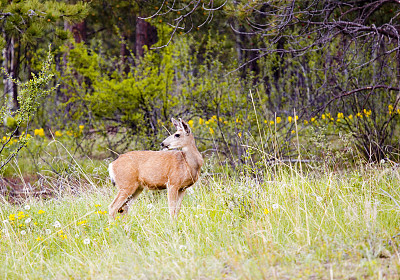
174	170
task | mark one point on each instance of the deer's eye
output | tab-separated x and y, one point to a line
177	135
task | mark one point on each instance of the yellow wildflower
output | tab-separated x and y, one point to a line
40	211
293	131
350	117
278	119
323	116
290	119
266	211
20	215
11	217
82	222
211	130
58	134
271	122
190	122
305	122
240	134
367	113
312	120
296	117
340	116
39	132
207	122
201	121
81	127
359	115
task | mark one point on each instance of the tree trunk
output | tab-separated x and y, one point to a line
79	32
11	65
124	53
146	35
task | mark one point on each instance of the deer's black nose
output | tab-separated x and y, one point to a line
162	144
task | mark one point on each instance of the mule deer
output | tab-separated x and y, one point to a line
174	170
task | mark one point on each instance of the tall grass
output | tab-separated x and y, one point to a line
323	225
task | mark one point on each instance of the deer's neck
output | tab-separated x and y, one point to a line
193	159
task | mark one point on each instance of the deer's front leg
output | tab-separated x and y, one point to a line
181	194
172	200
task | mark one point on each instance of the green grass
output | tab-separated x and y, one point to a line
321	226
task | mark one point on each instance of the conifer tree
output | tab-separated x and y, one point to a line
24	25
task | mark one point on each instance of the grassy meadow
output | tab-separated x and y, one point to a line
283	225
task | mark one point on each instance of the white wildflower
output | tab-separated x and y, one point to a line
86	241
182	247
48	231
23	232
76	235
275	206
57	224
27	221
27	207
149	206
319	199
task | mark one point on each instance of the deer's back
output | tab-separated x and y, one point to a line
151	169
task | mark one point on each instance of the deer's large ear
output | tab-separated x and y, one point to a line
176	124
185	126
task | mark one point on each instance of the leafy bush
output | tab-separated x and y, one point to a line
31	94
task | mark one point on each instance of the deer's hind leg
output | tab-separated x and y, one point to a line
124	209
121	201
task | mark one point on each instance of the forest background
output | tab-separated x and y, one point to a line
312	71
271	89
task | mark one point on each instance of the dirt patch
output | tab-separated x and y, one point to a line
17	190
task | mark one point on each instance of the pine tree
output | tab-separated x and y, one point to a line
24	26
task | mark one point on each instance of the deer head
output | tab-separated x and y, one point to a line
182	138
